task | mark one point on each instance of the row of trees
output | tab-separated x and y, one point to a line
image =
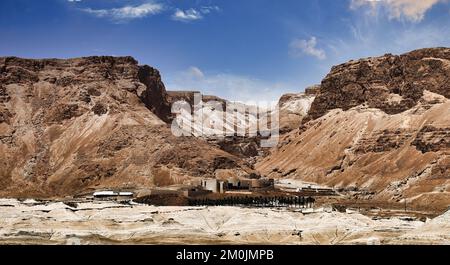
275	201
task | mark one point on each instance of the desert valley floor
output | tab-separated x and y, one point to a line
40	222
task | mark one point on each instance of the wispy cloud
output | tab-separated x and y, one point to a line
192	14
410	10
195	72
309	47
209	9
375	38
127	12
130	12
187	15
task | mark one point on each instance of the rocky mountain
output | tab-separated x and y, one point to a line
380	126
68	126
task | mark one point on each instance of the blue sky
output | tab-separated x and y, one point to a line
238	49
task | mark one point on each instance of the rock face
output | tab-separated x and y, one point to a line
294	107
390	83
188	96
154	98
68	126
379	125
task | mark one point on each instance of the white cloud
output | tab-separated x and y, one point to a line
127	12
187	15
193	14
299	47
228	86
97	12
411	10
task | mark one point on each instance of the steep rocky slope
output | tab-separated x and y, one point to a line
378	125
67	126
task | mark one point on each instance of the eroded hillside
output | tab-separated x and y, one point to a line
378	125
67	126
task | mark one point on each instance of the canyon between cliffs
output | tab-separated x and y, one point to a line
376	131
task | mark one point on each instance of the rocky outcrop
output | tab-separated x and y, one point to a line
432	139
68	126
294	107
188	96
155	96
383	141
391	83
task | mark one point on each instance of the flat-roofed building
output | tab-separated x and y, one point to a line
214	185
109	194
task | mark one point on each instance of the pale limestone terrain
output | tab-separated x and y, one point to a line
292	109
31	222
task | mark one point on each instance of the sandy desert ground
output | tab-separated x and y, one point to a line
32	222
